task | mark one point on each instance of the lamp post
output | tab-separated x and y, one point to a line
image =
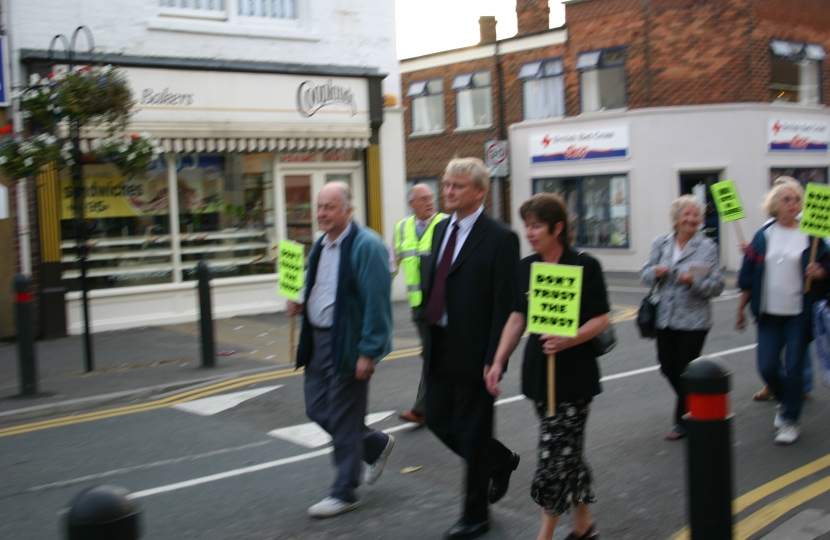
81	228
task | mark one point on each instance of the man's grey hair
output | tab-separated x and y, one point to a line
346	191
411	193
474	167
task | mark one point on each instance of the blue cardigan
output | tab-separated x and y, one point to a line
362	323
751	277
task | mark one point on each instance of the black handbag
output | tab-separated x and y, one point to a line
647	316
604	341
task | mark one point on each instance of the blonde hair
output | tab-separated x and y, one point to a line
474	167
681	202
773	196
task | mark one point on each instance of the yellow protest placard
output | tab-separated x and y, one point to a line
815	220
727	201
554	297
291	269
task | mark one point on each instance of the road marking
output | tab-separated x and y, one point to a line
214	405
748	499
146	466
228	474
311	435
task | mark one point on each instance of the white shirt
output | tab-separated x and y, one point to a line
783	278
464	227
320	303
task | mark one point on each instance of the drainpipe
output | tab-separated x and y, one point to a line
505	210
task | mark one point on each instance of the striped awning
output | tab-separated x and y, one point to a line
189	145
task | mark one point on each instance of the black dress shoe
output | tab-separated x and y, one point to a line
462	530
498	487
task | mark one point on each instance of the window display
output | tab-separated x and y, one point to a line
225	215
598	208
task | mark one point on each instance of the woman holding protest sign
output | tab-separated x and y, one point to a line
563	480
685	267
772	282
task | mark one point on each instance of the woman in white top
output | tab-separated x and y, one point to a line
772	283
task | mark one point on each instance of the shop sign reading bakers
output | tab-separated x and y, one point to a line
797	135
582	145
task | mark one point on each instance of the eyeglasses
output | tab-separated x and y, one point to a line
423	200
787	199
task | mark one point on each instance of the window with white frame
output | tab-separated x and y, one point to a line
427	105
543	88
473	99
602	79
218	9
796	72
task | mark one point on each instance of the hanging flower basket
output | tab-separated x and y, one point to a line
132	154
91	96
20	158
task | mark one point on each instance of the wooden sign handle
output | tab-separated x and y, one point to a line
551	385
291	339
739	232
809	282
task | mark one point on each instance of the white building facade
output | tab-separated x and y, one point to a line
257	103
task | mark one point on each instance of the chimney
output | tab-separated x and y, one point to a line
532	16
487	25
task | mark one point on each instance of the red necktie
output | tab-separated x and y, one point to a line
435	304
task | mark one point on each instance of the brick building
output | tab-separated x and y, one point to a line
629	105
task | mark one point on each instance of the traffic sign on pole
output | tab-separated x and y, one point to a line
495	156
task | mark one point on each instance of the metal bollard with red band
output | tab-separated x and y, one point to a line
25	335
206	315
709	450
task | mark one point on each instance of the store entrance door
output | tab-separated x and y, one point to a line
299	187
700	184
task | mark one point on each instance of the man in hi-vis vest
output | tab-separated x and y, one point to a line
413	240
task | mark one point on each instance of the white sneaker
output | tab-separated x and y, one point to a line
779	420
331	506
373	470
788	433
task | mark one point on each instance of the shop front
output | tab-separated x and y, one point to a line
619	171
245	154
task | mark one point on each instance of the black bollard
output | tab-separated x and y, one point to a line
25	336
709	450
103	513
206	315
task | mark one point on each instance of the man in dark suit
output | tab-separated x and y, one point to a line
468	282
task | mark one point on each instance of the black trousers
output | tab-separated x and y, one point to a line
460	413
675	349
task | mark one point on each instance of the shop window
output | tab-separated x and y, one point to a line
796	72
598	208
803	175
473	100
225	216
543	88
602	79
427	106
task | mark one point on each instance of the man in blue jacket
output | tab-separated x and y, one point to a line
346	330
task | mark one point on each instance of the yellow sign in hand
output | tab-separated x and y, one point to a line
554	297
291	269
727	201
815	221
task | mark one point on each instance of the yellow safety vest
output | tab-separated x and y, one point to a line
409	250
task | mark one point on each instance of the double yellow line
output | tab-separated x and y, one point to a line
756	521
183	397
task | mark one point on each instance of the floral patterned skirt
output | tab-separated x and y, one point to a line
562	478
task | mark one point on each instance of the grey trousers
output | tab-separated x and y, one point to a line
338	405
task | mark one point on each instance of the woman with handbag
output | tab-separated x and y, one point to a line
772	282
562	479
685	268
